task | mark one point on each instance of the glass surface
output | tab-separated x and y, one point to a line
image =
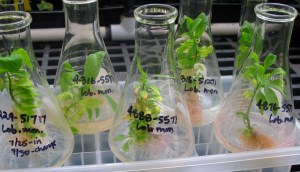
152	121
197	62
258	111
33	131
85	85
245	33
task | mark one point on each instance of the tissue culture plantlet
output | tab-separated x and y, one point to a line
245	41
19	86
143	112
189	53
73	103
264	82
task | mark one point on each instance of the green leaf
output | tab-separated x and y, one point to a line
67	77
1	85
254	57
270	59
277	84
278	71
143	78
91	102
26	59
97	110
125	147
10	64
250	73
66	81
205	51
198	26
90	114
120	138
188	21
153	88
271	97
93	64
247	27
111	102
260	74
74	130
64	96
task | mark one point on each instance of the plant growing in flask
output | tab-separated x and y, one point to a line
197	63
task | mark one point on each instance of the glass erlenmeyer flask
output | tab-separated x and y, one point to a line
11	5
151	120
257	112
33	132
197	62
245	33
85	84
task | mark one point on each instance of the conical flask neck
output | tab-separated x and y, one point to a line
247	10
274	24
15	31
154	39
81	15
192	8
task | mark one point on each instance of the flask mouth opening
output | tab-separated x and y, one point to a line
156	14
275	12
14	20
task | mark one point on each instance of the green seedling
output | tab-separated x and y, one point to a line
264	81
245	41
190	52
146	107
75	105
17	82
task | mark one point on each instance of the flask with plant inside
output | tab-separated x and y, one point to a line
245	33
197	63
33	131
258	111
86	86
151	121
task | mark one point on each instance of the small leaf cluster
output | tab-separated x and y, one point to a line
245	41
18	83
74	105
264	81
147	98
189	53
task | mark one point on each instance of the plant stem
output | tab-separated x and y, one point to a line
9	85
248	125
